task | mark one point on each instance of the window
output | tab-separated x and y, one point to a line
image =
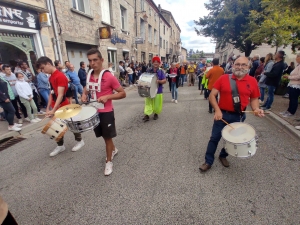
123	18
82	5
160	42
106	11
142	5
112	58
143	29
164	29
150	33
150	11
167	45
155	37
164	44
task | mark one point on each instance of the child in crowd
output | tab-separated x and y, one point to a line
26	96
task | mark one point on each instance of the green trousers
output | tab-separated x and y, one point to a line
29	105
153	105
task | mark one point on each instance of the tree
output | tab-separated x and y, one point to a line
281	23
228	22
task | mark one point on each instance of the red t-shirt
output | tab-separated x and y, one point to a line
58	79
247	88
173	71
109	83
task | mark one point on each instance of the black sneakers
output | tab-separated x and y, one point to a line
155	117
146	118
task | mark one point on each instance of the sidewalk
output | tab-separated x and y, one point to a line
27	126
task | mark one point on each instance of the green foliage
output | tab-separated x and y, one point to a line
279	23
228	22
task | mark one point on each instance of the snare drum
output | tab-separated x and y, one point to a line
241	141
55	128
86	120
147	86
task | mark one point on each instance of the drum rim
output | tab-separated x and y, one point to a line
90	128
239	143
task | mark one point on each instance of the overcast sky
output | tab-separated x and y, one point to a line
185	12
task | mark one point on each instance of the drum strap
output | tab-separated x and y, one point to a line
235	95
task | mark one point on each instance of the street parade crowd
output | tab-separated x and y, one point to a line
230	89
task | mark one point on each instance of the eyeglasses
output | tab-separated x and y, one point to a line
241	65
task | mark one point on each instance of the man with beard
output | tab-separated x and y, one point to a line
248	91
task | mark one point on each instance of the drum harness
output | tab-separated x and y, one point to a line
235	95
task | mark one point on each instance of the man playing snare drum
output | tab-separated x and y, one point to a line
57	98
154	105
228	111
100	85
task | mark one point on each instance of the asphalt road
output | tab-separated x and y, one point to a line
156	179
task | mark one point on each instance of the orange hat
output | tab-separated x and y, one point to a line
156	58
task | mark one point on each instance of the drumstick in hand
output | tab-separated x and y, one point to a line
227	123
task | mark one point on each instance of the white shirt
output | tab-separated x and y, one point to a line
24	89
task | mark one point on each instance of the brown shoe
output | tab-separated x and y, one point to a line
204	167
224	162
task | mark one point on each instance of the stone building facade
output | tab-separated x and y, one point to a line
79	29
22	36
174	50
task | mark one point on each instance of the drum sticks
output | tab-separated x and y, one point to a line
227	123
253	112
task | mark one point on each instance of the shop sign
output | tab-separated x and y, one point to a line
18	17
104	32
45	20
115	39
139	40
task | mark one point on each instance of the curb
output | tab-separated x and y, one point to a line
31	127
26	129
273	118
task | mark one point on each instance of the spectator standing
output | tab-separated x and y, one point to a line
273	78
213	75
262	80
1	71
122	73
25	93
73	76
255	65
174	82
182	72
144	68
191	71
200	71
82	74
129	70
260	68
6	97
43	85
294	90
290	68
11	78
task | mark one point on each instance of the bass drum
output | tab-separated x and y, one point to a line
241	141
147	86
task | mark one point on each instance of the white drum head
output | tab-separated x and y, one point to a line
241	133
85	113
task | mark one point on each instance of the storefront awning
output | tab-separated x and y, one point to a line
26	5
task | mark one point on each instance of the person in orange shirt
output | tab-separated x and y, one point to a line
213	75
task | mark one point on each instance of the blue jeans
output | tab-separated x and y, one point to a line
45	94
294	94
216	136
130	78
78	89
270	99
262	93
9	112
174	90
181	79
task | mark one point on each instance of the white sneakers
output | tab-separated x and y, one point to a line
108	168
57	150
15	127
38	119
27	119
287	114
18	125
173	100
34	121
176	101
60	149
297	127
114	153
78	146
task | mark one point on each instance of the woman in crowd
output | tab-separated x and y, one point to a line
267	68
260	68
290	68
294	90
174	82
25	93
43	85
6	96
130	70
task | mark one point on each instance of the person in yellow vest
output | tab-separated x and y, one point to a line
191	72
